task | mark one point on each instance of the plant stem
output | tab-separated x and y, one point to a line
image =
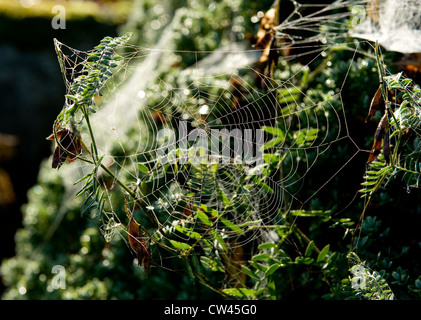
91	134
406	170
380	66
119	182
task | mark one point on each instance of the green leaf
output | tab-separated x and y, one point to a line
264	186
258	266
322	255
240	292
203	217
267	245
274	131
88	206
302	213
250	273
273	142
180	245
272	269
71	97
187	232
369	183
232	226
248	223
262	256
89	175
309	249
271	158
223	196
142	168
93	58
289	95
89	184
219	239
210	264
304	260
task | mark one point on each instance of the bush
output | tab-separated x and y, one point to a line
278	230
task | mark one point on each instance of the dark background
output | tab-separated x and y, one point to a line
31	95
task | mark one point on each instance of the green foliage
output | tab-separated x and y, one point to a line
368	284
98	265
403	165
97	71
405	119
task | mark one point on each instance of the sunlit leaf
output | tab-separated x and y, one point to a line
142	168
240	292
262	256
180	245
203	217
323	253
231	225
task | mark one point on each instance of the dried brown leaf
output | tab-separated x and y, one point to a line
139	245
72	147
378	138
377	103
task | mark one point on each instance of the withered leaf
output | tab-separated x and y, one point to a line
187	211
269	61
266	24
273	56
159	117
267	41
70	142
377	103
378	138
237	91
139	245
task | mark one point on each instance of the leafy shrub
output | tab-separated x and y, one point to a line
224	239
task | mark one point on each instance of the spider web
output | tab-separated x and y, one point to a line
151	127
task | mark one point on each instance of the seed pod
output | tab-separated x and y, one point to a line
378	138
377	103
